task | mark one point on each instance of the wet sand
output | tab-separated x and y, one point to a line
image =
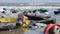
15	31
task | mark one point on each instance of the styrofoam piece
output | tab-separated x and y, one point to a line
41	25
46	13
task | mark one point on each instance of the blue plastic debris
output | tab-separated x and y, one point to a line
32	26
59	10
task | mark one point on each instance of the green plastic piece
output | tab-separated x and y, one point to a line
43	10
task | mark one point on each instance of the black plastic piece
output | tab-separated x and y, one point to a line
34	18
14	12
49	22
3	12
34	11
4	8
56	12
17	24
57	28
51	31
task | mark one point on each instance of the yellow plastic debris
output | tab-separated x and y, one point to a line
12	19
24	28
25	23
7	20
3	20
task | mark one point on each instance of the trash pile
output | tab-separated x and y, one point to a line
29	19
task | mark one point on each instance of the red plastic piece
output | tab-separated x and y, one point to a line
50	26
